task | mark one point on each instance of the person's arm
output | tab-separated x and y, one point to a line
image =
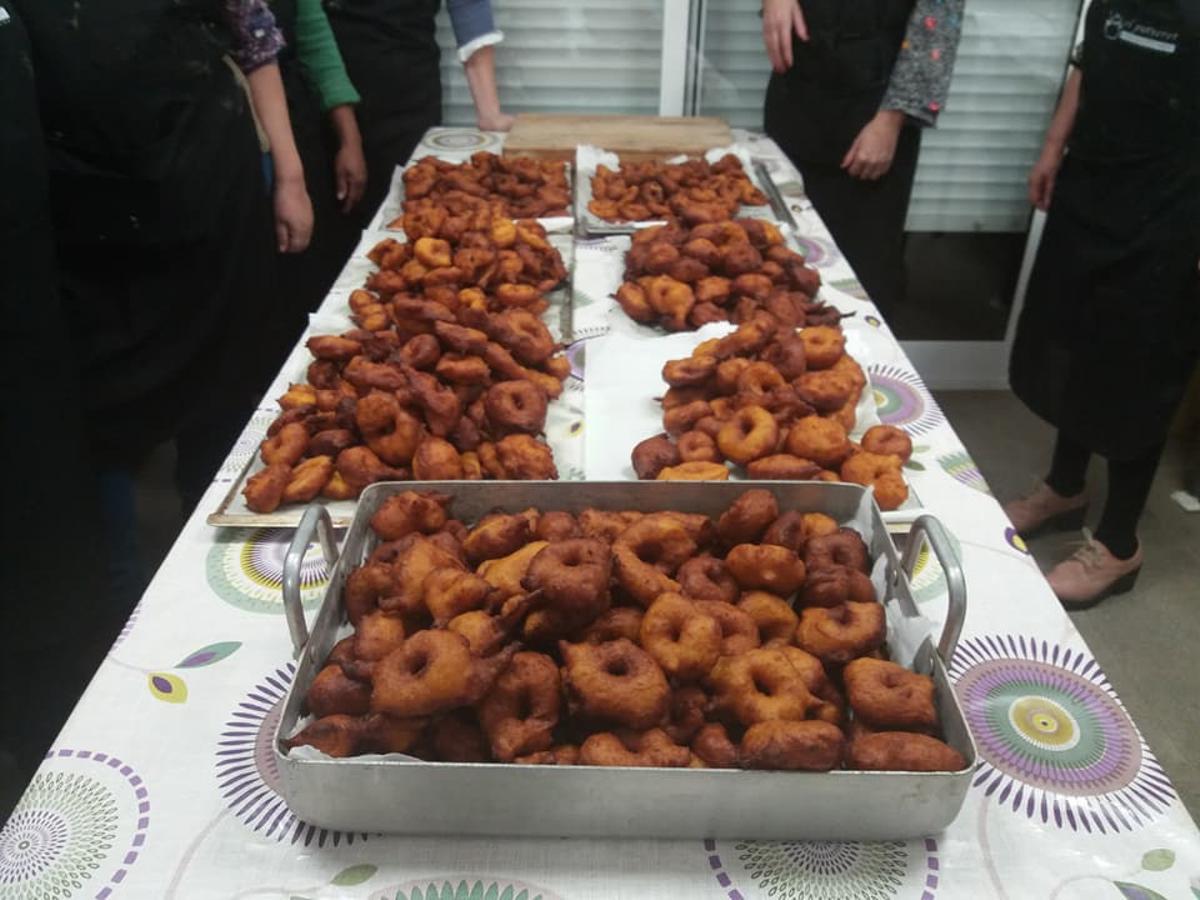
476	34
917	88
293	208
1045	170
325	71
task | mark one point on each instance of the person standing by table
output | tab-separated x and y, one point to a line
391	52
852	84
1110	332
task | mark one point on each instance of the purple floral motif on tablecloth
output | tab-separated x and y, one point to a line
80	825
1014	540
244	568
247	775
962	468
1056	745
852	287
903	400
825	870
459	888
818	252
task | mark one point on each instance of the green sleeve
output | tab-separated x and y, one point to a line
319	56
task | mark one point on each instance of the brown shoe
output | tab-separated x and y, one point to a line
1092	573
1042	509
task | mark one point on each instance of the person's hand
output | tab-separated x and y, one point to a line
350	174
1042	177
496	121
870	156
293	215
780	18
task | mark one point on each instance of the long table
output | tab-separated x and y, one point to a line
162	784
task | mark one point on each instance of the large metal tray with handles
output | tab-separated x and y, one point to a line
402	795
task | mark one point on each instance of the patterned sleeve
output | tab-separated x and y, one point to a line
921	78
257	40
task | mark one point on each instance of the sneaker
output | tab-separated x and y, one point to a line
1042	508
1092	573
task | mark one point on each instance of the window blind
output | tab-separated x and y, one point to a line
580	56
973	167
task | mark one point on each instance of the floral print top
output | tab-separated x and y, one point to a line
921	77
256	38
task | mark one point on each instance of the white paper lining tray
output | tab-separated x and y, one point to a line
393	793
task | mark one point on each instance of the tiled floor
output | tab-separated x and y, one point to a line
1146	639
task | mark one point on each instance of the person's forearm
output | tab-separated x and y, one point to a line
481	78
270	104
345	126
1064	117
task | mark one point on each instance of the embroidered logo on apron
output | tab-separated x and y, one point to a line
1130	31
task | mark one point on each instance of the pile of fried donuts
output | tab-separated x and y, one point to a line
780	404
693	191
513	187
448	375
619	638
681	278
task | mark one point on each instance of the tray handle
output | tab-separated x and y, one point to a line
315	520
926	527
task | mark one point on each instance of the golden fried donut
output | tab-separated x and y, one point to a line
496	535
882	472
558	755
787	355
436	459
712	290
794	529
695	471
307	479
515	406
841	633
713	746
824	345
750	434
765	567
759	685
888	440
806	746
505	574
606	525
364	588
286	446
728	372
772	615
653	455
705	578
889	697
433	671
448	593
832	705
573	577
556	525
690	371
648	552
835	585
747	517
332	347
338	736
418	557
619	622
823	441
521	457
518	715
649	749
615	682
376	635
696	446
408	512
264	490
633	300
671	299
739	631
825	391
331	442
682	396
901	751
422	351
455	737
686	713
782	467
844	547
683	639
390	431
331	693
432	252
680	419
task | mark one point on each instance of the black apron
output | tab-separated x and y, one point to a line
392	56
1110	332
816	108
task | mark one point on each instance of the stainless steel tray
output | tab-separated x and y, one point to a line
404	796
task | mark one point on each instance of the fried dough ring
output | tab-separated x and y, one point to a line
307	479
520	712
825	391
739	631
265	489
650	749
695	471
750	434
573	576
824	345
823	441
686	713
760	685
706	578
841	633
683	639
805	746
900	751
765	567
431	672
696	446
333	693
888	440
782	467
448	593
648	553
615	682
772	615
745	520
844	547
653	455
516	406
889	697
834	585
619	622
713	746
407	512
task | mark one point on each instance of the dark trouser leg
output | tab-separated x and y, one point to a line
387	143
1129	484
866	218
1068	466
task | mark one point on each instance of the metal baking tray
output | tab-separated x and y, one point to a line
389	794
232	511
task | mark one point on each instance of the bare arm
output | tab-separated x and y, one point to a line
481	78
349	165
293	209
1045	170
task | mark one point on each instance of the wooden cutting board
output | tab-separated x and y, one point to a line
633	137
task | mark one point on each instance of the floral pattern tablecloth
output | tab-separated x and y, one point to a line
162	783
